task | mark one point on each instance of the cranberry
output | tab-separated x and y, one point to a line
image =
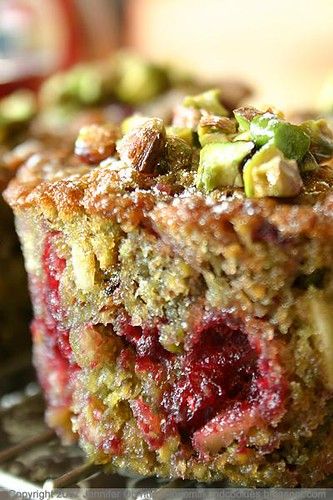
219	368
144	340
227	380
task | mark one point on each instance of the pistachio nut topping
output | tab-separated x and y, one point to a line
269	173
220	164
258	153
16	111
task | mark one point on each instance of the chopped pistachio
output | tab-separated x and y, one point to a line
142	147
133	121
184	133
269	173
243	136
210	137
139	81
184	117
262	128
84	84
220	164
179	76
321	137
16	110
292	141
244	116
288	138
208	101
178	154
309	163
221	123
214	128
89	86
19	106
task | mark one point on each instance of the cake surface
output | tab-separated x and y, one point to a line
182	286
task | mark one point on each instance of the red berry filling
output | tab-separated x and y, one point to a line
144	340
227	381
150	355
219	369
53	353
149	423
53	267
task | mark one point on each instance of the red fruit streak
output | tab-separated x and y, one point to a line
227	382
53	355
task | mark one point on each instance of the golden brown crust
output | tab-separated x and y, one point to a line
96	193
269	219
58	184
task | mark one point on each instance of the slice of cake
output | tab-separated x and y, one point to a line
182	283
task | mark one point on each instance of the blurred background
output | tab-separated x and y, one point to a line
283	48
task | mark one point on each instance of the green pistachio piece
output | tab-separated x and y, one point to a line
83	85
184	133
208	101
288	138
214	128
18	107
244	116
220	164
292	141
321	138
308	164
143	147
88	85
269	173
210	137
133	121
244	136
16	111
138	80
262	128
178	155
